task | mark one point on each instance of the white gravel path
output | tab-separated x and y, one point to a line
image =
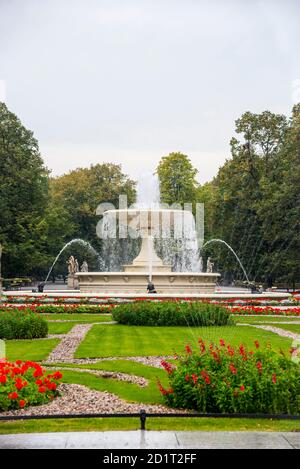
67	347
276	330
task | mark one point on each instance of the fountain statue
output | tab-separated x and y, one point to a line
73	268
209	266
84	267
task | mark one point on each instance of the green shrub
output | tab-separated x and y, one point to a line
171	313
223	379
84	309
24	324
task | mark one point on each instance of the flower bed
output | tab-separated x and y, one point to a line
26	383
172	314
94	300
267	310
15	324
225	379
57	309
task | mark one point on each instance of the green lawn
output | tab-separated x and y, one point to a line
80	318
260	319
168	423
120	341
128	391
60	327
36	350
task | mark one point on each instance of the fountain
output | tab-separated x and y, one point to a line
150	221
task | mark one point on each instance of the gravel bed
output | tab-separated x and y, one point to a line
68	345
78	399
276	330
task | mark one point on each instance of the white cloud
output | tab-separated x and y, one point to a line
2	90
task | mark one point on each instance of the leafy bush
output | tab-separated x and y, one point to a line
234	380
72	309
59	309
26	383
15	324
171	313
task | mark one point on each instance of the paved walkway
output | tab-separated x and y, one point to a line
153	440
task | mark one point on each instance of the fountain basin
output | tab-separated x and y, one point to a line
112	283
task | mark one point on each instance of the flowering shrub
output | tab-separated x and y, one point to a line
233	379
267	310
15	324
26	383
172	314
57	309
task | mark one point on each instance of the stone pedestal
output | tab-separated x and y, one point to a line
110	283
73	282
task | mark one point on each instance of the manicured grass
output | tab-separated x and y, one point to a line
123	366
60	327
168	423
120	341
128	391
260	319
80	318
35	350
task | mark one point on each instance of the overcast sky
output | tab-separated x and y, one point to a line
130	81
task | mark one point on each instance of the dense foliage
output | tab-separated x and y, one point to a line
22	324
221	379
171	314
26	383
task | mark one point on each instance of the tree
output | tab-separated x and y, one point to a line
78	195
23	194
177	178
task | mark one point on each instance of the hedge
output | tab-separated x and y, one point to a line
172	314
25	324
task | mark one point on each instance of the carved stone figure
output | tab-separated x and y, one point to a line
76	266
209	266
84	267
71	262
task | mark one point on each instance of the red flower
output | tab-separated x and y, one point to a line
274	379
195	378
167	366
52	386
42	389
222	343
259	367
232	369
187	378
205	376
57	375
3	379
39	382
13	395
38	372
256	343
22	403
242	388
242	350
188	349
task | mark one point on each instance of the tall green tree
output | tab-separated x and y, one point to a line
78	195
23	195
177	178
